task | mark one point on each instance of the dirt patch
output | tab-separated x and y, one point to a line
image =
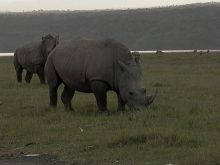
16	157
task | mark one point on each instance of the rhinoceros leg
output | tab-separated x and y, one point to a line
19	75
100	89
121	104
28	77
53	93
40	72
19	70
66	97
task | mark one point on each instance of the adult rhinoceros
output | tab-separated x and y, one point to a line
96	66
32	57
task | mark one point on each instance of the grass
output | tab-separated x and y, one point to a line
181	126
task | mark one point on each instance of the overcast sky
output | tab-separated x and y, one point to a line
30	5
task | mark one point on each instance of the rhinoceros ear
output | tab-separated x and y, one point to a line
57	40
138	61
57	37
43	39
123	66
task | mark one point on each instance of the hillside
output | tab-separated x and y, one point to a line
194	26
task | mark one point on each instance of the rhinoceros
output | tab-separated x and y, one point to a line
96	66
32	57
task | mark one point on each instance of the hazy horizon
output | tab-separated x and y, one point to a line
31	5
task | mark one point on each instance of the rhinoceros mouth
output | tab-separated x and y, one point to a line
140	106
137	108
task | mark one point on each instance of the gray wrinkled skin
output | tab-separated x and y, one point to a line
32	57
96	66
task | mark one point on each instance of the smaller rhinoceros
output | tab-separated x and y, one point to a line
32	57
96	66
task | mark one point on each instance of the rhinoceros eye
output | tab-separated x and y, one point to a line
131	93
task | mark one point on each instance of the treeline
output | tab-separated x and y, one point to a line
182	27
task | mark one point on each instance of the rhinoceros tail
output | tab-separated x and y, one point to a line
51	73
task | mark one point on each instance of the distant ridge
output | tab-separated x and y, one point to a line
183	27
193	5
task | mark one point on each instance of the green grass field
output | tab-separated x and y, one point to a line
181	127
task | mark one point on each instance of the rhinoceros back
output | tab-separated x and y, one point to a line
81	61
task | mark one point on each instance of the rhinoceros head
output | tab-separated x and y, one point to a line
48	44
130	87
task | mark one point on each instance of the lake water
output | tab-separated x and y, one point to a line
143	52
6	54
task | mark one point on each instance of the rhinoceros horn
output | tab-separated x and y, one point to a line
151	98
